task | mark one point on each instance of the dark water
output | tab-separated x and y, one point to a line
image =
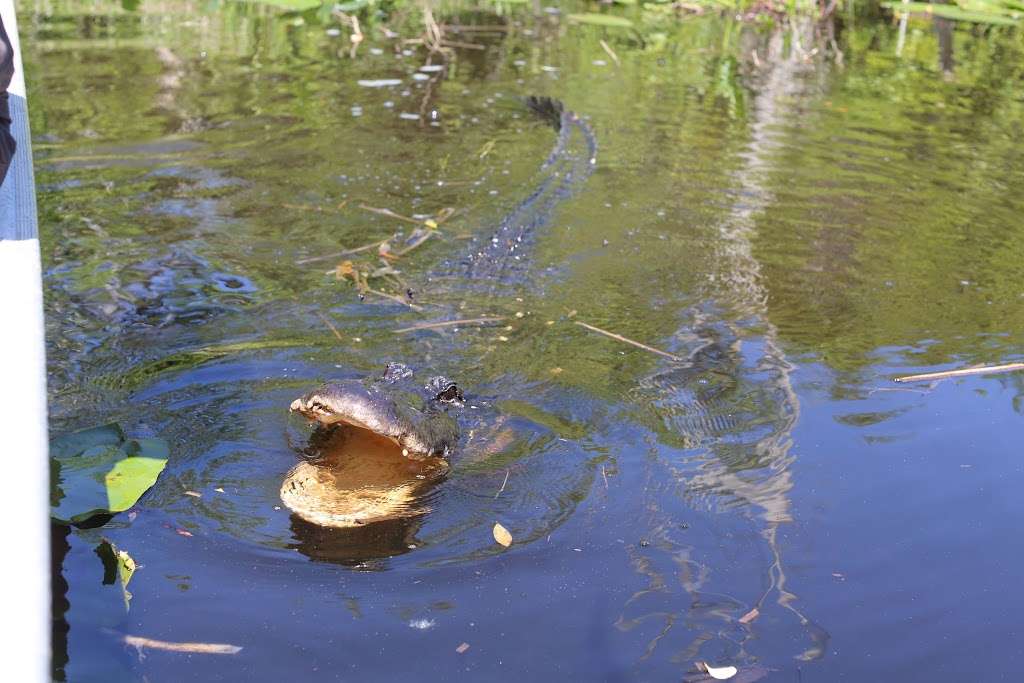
797	232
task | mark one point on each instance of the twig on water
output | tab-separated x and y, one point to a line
611	53
605	477
330	325
626	340
347	252
389	213
317	209
927	390
394	298
138	642
502	485
419	240
963	372
450	323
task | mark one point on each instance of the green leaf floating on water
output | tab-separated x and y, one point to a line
100	471
609	20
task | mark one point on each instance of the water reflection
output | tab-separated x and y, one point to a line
729	409
362	547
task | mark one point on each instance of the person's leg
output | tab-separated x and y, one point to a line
6	73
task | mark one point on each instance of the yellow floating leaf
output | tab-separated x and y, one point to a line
502	536
430	223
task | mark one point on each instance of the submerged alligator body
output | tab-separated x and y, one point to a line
499	256
395	433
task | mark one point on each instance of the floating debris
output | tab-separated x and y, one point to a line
719	673
449	323
619	337
963	372
422	624
379	82
750	616
139	643
502	535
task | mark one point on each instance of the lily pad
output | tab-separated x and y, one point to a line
99	471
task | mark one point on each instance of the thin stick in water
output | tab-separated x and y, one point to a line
626	340
138	642
963	372
419	240
449	323
389	213
611	53
347	252
394	298
330	325
502	485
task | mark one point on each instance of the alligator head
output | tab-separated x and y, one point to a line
414	417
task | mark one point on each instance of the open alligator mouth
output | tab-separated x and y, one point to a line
419	424
361	475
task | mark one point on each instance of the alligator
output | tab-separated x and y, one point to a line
382	442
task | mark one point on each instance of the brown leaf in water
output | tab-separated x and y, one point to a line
344	270
183	532
750	616
462	648
193	494
502	535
